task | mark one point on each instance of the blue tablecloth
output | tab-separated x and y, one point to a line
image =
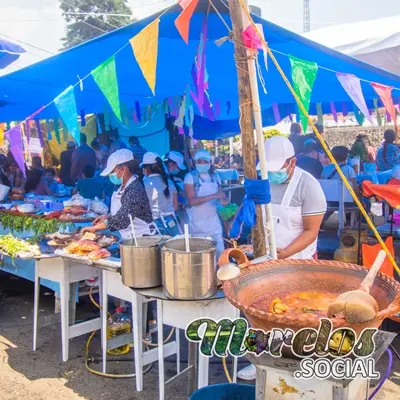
227	174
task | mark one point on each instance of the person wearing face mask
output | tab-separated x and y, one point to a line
162	194
129	199
203	191
298	208
175	164
298	201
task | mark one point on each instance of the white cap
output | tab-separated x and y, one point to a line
149	158
178	158
277	150
119	157
202	155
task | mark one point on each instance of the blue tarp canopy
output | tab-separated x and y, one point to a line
24	91
9	52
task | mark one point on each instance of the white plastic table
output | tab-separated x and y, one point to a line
64	271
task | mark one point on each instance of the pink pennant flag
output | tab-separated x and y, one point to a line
351	84
277	114
385	94
180	130
251	39
14	137
333	111
135	118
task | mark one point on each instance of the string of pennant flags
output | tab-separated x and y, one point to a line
145	49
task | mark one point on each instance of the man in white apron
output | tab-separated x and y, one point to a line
298	208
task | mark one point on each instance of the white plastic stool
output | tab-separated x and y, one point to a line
112	286
64	272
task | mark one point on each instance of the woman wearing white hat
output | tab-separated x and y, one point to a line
129	199
203	191
162	194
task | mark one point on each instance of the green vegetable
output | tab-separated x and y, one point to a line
39	226
12	246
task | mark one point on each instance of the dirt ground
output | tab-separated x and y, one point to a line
41	375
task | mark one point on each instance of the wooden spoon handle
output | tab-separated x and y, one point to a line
369	279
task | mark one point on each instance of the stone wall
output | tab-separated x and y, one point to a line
346	136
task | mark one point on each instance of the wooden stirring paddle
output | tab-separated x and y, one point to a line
359	306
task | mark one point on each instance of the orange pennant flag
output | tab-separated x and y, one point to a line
182	23
145	48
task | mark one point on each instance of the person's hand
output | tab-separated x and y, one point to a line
88	229
224	202
282	254
99	219
220	196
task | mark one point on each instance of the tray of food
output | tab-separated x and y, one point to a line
63	240
85	249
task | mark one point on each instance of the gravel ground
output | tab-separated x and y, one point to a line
41	375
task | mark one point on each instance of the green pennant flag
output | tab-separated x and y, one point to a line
320	113
105	75
57	130
359	115
303	77
378	116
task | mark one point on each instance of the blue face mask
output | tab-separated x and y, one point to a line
174	172
115	180
203	168
278	177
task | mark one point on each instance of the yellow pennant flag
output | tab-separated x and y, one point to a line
1	136
145	49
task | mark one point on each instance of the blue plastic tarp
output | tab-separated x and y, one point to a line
9	52
24	91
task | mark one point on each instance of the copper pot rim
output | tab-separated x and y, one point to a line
306	320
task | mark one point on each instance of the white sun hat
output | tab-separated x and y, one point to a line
119	157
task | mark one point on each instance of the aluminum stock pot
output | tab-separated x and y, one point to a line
189	275
141	264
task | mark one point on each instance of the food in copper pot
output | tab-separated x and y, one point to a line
314	302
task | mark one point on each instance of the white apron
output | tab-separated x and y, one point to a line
288	221
203	219
141	227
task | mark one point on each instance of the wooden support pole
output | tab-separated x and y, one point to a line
246	118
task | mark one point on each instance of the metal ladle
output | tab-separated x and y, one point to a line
231	271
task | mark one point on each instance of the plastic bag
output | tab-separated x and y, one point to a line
98	207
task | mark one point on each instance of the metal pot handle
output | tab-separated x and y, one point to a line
237	254
392	309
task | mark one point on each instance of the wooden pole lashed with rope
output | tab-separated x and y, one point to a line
246	119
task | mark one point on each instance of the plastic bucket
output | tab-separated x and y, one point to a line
225	391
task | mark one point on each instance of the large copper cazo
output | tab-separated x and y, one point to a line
302	275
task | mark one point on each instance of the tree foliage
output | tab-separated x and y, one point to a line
82	27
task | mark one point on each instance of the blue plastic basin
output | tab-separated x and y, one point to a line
225	391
